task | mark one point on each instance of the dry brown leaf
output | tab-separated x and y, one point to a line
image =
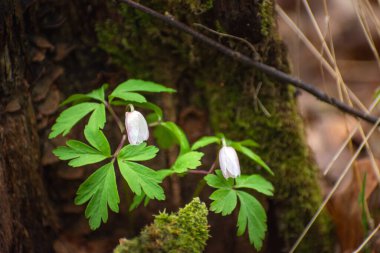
344	206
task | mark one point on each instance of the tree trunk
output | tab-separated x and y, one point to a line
26	220
150	49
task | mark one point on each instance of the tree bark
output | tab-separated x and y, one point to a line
26	218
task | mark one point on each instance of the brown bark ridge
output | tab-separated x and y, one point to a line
26	218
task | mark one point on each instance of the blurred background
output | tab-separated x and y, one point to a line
334	45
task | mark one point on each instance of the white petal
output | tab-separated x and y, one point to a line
229	162
143	128
137	127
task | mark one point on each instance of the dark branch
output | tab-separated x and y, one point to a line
270	71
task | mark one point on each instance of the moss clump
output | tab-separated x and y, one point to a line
183	232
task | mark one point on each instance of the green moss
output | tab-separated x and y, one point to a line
198	6
184	232
147	47
267	17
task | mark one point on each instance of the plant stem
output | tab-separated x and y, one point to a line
154	123
204	172
202	183
121	144
115	117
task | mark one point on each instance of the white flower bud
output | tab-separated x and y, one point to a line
137	128
229	162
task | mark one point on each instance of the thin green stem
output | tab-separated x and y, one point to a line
131	107
153	124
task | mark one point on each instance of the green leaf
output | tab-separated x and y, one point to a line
155	108
98	140
146	201
152	118
97	94
205	141
225	201
218	181
190	160
101	190
249	143
137	200
251	215
141	85
363	205
249	153
179	136
164	137
162	174
98	117
255	182
75	98
139	152
79	153
69	117
128	96
141	179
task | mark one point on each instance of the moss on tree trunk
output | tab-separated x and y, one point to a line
149	49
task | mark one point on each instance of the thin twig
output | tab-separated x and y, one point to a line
271	71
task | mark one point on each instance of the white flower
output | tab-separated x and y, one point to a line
229	162
137	128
